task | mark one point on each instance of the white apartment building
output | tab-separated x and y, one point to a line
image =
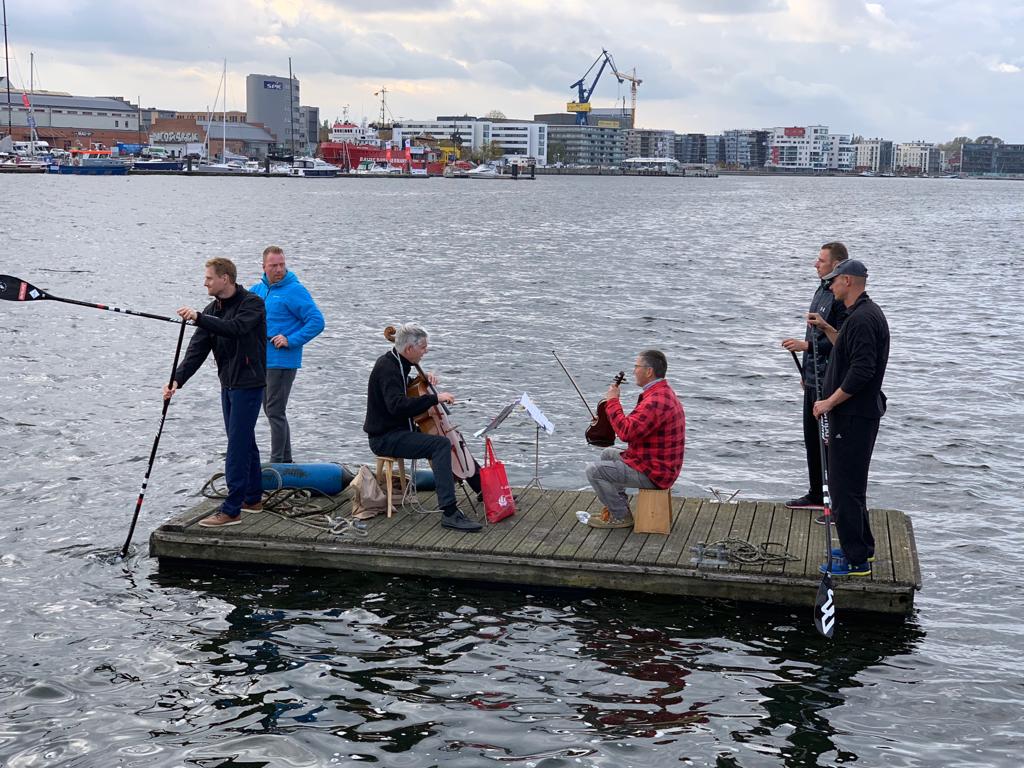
874	155
918	157
517	139
799	147
840	153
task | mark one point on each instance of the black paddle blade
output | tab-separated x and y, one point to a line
16	289
825	607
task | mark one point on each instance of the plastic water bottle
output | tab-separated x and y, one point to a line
582	515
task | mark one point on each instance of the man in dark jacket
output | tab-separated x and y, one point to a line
234	327
390	426
855	403
832	311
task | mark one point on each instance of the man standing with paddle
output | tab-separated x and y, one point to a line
853	398
234	327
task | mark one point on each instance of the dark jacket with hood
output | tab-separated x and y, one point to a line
834	313
235	330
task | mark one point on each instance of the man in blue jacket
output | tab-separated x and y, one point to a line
292	320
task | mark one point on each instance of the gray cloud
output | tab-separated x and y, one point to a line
917	68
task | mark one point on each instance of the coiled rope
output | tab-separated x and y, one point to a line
743	552
306	506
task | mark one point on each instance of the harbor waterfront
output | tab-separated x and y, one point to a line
110	662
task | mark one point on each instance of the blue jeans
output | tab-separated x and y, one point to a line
242	472
415	445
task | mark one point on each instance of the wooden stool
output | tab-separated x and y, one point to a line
387	464
653	511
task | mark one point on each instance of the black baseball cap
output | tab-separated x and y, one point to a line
850	267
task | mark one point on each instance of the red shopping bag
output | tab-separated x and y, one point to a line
498	501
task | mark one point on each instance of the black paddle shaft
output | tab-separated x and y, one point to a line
16	289
156	443
824	604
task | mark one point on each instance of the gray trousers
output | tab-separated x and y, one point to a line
275	402
610	477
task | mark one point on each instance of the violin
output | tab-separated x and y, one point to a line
600	433
435	421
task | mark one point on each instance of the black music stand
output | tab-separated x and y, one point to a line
540	420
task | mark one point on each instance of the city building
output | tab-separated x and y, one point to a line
309	136
646	142
917	157
611	117
992	158
150	115
691	148
840	154
274	102
802	148
183	136
873	155
745	148
231	116
572	144
513	138
65	121
715	148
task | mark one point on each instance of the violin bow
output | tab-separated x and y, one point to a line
575	385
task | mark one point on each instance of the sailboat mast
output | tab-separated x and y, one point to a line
224	124
7	79
291	108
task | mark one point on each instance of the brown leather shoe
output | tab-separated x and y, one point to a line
219	520
256	506
604	519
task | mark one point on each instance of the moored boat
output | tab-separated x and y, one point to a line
312	168
90	162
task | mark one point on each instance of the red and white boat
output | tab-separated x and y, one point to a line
351	145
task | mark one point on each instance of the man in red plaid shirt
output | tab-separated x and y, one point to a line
656	433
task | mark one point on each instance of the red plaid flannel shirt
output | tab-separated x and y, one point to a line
655	431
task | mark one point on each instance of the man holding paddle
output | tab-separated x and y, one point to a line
234	327
852	396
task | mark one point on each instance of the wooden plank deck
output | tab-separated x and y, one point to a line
544	544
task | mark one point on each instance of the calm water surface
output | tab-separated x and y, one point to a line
107	663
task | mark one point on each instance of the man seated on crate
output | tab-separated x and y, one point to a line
390	421
656	434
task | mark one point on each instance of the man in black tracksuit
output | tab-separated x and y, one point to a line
390	427
855	403
816	345
234	327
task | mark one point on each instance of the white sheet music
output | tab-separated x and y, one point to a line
536	414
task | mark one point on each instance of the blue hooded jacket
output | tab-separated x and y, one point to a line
292	312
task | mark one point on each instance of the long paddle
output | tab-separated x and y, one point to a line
824	603
797	361
16	289
152	453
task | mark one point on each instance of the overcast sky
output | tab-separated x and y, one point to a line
904	69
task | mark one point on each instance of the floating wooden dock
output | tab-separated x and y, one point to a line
545	544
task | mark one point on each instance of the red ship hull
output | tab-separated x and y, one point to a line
347	156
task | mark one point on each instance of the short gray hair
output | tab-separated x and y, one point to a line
409	335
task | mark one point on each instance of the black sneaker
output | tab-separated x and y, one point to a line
459	522
806	502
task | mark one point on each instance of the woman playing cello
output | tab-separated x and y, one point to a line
393	416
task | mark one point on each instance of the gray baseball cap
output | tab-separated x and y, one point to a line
850	267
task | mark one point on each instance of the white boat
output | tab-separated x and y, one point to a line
483	171
377	168
312	168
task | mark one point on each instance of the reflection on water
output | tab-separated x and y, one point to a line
114	663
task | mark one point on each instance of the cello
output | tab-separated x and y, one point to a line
600	433
435	421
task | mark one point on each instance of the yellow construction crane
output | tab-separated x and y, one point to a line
634	81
